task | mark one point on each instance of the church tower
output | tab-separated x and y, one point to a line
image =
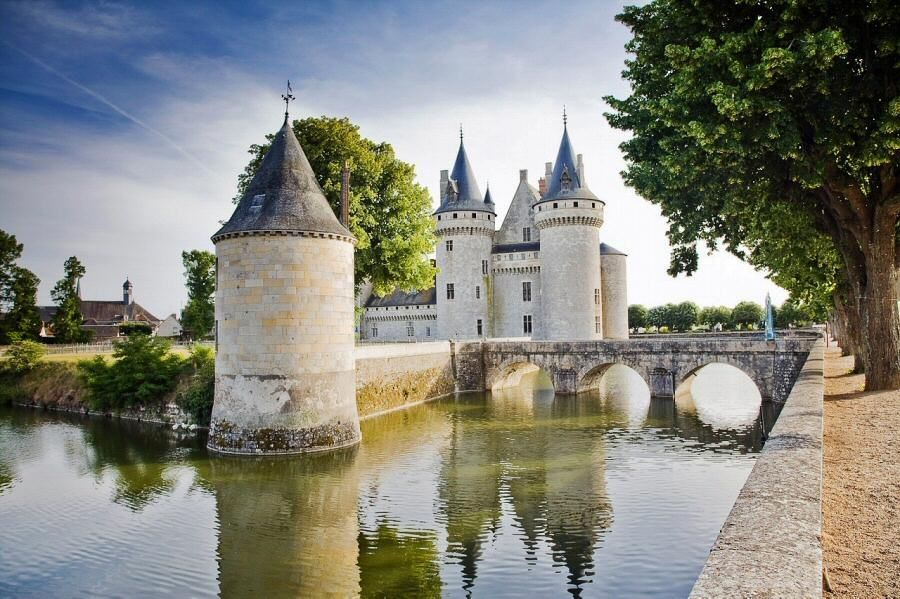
285	379
569	217
465	224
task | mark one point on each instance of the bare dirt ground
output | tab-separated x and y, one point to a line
862	484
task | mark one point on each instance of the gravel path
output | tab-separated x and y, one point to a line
862	484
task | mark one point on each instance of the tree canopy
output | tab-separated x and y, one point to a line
67	320
18	294
775	128
637	316
199	315
390	214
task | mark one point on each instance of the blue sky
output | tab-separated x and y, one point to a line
123	126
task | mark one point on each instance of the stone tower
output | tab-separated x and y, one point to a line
613	289
285	378
569	217
465	224
127	291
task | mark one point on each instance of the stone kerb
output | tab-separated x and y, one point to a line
771	543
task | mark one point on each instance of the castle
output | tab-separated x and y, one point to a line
543	274
285	377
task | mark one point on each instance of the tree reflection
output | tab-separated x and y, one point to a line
393	564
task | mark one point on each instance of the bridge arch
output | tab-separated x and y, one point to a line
722	395
510	374
592	377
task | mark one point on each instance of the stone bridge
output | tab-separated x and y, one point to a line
663	362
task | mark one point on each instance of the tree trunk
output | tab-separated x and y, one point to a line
879	311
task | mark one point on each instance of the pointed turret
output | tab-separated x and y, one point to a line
566	181
461	191
488	200
283	195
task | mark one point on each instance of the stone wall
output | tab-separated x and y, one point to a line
394	376
614	290
510	270
771	543
392	323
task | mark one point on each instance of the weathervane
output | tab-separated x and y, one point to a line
287	97
460	133
565	118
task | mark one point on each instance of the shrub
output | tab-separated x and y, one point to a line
23	355
197	399
143	371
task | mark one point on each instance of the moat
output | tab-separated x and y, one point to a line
514	493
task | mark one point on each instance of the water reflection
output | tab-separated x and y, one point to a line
721	396
512	492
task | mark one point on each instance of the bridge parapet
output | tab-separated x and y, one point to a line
664	363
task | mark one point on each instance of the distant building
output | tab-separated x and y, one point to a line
105	318
169	327
543	274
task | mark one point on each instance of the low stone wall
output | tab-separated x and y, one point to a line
389	376
771	543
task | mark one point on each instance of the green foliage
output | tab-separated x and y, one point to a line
18	293
638	316
684	316
747	315
790	314
390	214
143	371
22	355
67	320
135	327
774	128
660	316
198	317
398	565
715	315
197	399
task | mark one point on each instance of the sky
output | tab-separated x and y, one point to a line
123	126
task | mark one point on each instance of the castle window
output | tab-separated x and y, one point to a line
474	215
484	267
526	324
428	331
374	332
575	204
555	205
478	327
410	330
597	296
455	215
439	217
598	325
449	245
256	204
477	291
526	234
450	293
526	291
593	205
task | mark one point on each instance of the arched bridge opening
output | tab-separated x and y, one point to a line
721	395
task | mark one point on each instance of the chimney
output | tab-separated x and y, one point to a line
548	170
445	178
542	186
345	194
523	174
579	166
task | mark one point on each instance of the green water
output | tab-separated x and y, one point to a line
519	493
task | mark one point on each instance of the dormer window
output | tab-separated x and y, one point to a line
565	181
257	202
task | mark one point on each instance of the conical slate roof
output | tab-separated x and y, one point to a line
284	195
487	196
606	250
462	192
565	183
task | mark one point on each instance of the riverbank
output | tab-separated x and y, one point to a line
861	498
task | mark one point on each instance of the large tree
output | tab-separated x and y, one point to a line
199	315
67	320
18	293
390	214
750	116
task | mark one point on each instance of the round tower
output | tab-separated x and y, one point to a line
613	290
465	228
285	378
569	217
